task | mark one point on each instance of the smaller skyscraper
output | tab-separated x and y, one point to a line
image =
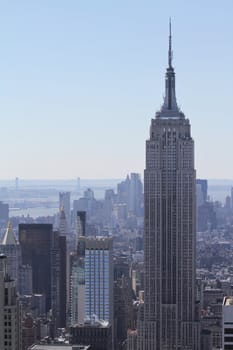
204	187
81	223
123	310
45	251
130	192
63	227
64	201
25	280
135	194
99	278
10	322
108	204
77	286
36	242
11	248
87	204
66	248
77	279
58	280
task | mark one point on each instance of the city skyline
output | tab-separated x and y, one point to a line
86	79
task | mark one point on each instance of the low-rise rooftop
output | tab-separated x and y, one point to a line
59	347
228	301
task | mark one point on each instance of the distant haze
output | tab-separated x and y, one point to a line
218	189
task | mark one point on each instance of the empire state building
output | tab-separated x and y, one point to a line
170	229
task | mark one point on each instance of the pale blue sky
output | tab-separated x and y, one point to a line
81	80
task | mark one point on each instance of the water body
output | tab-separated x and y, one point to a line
219	189
41	197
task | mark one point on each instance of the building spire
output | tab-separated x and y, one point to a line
169	108
170	45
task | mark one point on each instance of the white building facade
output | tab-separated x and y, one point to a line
99	279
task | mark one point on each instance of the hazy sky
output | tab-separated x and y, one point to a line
81	80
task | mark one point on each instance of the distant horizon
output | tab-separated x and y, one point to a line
13	180
218	189
97	178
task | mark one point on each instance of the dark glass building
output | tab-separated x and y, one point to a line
45	251
36	244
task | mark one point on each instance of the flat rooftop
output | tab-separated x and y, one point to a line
228	301
59	347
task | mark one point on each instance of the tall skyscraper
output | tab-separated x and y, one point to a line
170	229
